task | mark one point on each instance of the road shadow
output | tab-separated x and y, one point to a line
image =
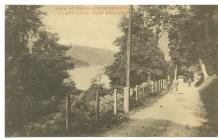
152	128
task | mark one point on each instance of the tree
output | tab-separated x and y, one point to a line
178	51
20	22
156	18
206	16
43	73
36	64
191	33
146	58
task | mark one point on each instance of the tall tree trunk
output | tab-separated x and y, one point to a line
68	113
115	102
22	113
203	69
157	34
207	29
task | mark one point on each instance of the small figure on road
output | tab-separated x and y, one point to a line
169	85
189	81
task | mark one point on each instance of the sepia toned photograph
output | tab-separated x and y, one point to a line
111	71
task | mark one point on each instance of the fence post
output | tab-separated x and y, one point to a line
156	85
166	84
115	101
97	105
162	84
159	84
136	93
68	113
143	90
152	86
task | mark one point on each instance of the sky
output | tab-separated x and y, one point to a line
91	30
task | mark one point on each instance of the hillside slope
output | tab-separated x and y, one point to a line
209	96
92	56
79	63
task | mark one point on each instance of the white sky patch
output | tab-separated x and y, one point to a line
98	31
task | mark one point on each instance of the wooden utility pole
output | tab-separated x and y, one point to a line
127	88
129	46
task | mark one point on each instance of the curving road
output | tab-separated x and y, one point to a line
178	114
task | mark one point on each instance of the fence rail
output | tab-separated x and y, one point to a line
137	93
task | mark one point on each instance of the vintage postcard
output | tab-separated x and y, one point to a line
111	71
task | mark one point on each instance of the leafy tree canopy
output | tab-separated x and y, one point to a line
146	57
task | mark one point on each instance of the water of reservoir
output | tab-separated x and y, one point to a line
83	76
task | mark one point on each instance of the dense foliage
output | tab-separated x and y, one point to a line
193	35
146	56
36	65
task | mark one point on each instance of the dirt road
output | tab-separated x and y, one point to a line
178	114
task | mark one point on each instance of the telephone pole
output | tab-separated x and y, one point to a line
127	88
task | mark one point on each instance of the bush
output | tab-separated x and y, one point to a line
49	125
209	97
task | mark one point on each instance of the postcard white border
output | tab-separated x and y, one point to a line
80	2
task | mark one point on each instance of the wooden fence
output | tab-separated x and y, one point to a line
142	91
